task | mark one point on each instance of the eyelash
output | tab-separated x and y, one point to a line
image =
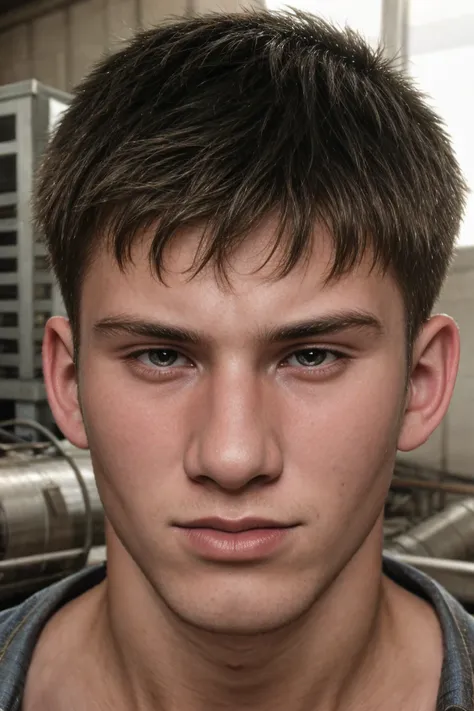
164	371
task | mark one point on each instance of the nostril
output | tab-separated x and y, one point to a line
262	480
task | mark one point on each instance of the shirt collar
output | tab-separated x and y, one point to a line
456	690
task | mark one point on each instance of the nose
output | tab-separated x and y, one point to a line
233	443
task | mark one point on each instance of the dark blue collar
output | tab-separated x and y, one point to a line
456	690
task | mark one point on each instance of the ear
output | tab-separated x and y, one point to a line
433	376
60	379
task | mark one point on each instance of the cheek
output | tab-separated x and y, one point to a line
136	438
342	441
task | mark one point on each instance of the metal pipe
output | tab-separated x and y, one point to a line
447	534
44	520
61	449
447	487
42	558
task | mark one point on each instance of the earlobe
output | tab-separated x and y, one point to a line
61	382
433	376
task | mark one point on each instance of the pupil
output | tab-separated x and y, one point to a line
311	357
162	357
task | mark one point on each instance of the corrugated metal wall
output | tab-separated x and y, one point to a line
57	42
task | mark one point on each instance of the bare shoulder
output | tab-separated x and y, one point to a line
58	659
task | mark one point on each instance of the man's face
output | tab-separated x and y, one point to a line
243	420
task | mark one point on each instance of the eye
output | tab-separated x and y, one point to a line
161	358
312	357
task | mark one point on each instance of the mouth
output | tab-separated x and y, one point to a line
232	540
235	525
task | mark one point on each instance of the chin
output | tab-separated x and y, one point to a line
241	610
240	622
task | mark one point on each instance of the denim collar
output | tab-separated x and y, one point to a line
456	689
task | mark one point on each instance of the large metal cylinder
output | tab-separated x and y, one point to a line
43	513
448	534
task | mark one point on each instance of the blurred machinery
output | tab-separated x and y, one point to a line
429	524
50	512
447	534
28	294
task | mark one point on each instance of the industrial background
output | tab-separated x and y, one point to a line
50	515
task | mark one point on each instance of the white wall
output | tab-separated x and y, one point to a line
441	60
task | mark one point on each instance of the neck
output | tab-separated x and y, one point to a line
324	660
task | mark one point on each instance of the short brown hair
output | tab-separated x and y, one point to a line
222	120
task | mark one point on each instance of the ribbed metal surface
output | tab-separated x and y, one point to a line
42	511
448	534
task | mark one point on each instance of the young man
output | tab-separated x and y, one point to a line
250	218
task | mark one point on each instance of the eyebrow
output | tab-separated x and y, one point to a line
329	324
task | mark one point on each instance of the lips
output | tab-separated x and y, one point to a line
235	540
234	525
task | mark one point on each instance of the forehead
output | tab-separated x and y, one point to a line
251	295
